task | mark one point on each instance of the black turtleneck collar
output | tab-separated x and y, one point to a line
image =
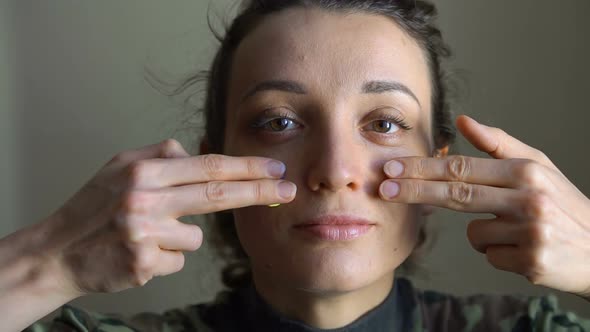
245	310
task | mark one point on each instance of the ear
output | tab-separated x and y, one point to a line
204	147
442	152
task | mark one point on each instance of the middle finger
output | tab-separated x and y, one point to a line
223	195
485	171
459	196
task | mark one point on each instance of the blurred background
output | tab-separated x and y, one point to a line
73	94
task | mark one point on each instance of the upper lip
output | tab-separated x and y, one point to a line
333	219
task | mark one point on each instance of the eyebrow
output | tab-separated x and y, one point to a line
276	85
298	88
388	86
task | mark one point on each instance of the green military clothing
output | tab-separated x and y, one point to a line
406	308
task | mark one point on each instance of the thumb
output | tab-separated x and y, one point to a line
497	143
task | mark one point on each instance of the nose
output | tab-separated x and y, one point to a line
336	162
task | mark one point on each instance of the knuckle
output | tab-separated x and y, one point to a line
143	263
212	164
530	173
136	172
539	233
135	202
412	189
499	132
540	155
170	147
535	266
119	157
251	167
458	167
139	279
421	168
137	230
257	191
460	193
215	191
537	205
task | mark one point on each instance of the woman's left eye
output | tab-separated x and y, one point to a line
384	126
389	124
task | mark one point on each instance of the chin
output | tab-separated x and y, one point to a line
336	270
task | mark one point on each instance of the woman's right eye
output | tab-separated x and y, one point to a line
279	124
275	124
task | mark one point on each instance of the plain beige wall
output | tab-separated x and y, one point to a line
72	95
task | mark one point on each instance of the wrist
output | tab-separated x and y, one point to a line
29	281
32	264
40	278
55	279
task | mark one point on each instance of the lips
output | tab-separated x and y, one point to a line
335	227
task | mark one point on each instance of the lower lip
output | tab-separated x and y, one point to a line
336	232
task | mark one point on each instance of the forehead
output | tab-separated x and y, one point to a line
329	52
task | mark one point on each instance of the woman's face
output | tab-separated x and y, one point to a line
318	91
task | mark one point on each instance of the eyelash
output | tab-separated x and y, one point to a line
262	121
265	119
398	120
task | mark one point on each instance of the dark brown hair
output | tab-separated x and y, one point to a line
414	17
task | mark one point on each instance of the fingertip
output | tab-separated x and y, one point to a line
461	116
287	190
469	127
464	120
198	237
388	190
276	168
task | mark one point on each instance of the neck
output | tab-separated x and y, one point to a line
324	310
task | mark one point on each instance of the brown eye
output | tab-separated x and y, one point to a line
384	126
279	124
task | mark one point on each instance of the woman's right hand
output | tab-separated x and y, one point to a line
121	229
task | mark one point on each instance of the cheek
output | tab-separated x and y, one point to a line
258	228
405	225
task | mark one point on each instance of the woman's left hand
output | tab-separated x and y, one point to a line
542	224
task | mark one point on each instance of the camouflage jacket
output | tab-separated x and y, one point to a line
405	309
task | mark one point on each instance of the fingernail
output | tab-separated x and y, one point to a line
287	189
274	205
389	189
276	168
394	168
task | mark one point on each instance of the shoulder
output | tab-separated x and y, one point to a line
492	312
195	317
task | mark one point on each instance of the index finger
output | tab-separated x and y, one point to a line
216	167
